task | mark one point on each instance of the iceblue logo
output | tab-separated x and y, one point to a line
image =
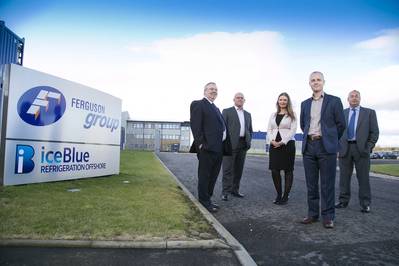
23	159
41	106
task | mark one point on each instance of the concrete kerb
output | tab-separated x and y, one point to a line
377	175
384	176
239	250
172	244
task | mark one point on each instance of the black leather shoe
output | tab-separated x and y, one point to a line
277	200
309	220
341	205
365	209
328	224
212	209
237	194
214	205
225	197
284	200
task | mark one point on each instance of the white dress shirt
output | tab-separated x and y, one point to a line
240	113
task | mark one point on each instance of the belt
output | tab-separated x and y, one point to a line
314	137
242	138
351	141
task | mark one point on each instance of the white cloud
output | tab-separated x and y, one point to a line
385	44
379	87
177	70
378	90
158	80
390	105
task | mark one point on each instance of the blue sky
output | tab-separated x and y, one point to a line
161	51
153	19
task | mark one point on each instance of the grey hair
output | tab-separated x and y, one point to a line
358	92
316	72
209	83
239	93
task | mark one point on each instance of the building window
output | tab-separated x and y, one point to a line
170	126
149	125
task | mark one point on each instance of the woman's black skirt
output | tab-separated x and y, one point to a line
283	157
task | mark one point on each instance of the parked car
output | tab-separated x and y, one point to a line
396	153
375	155
389	155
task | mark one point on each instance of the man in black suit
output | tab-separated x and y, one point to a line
209	133
357	143
239	127
323	123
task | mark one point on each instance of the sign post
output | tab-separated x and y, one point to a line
57	129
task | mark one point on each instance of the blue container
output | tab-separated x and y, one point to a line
11	46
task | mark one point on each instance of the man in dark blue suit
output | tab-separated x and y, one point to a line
209	131
323	123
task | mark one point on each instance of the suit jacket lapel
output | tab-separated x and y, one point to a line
215	110
346	113
207	103
324	105
308	109
246	118
360	118
235	114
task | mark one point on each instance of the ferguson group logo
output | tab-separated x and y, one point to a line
41	106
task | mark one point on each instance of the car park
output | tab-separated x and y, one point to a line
375	155
389	155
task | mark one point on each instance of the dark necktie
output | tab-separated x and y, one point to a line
351	126
219	115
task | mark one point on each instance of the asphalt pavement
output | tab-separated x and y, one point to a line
273	235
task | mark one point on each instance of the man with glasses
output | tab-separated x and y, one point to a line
210	134
356	144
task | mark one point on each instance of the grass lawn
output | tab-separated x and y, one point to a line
389	169
150	207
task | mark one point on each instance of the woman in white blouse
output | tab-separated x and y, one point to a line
280	135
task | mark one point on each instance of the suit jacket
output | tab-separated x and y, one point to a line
287	129
233	127
332	122
207	128
367	132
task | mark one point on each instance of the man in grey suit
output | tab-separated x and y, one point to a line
239	127
357	143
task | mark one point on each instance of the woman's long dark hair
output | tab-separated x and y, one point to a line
290	112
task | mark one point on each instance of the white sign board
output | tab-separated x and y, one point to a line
57	129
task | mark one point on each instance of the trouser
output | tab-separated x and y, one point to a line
321	165
362	165
233	167
208	170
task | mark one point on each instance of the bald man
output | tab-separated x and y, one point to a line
239	128
323	123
